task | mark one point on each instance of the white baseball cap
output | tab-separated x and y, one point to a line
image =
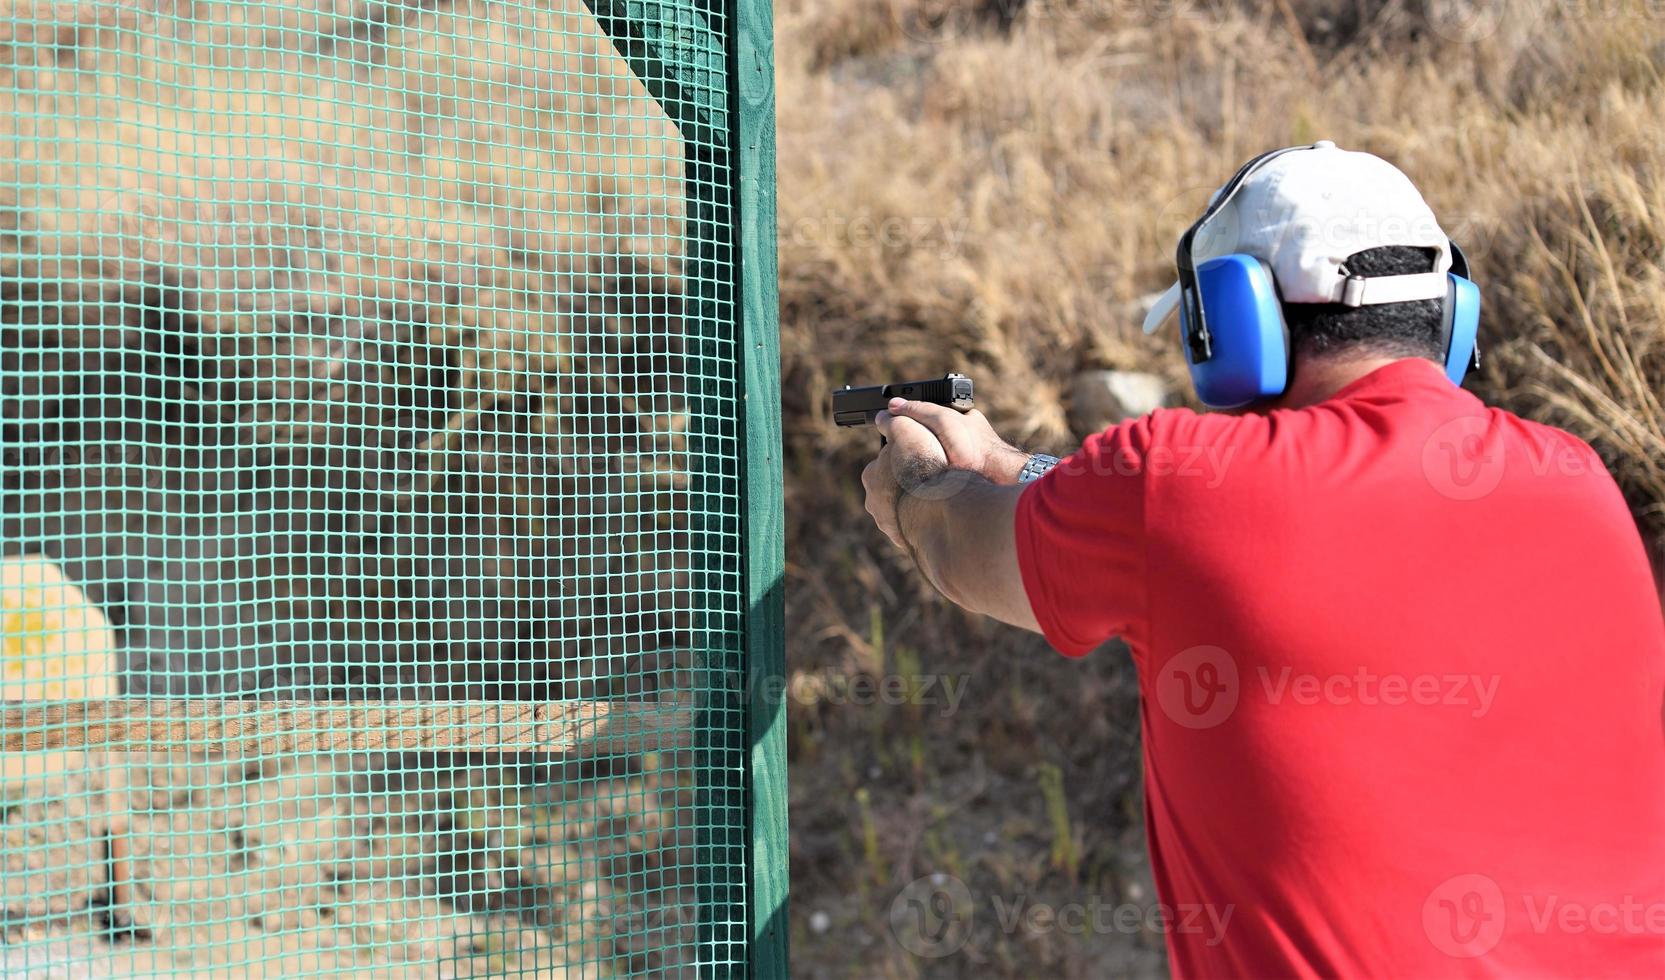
1303	211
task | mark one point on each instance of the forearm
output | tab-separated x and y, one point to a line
960	530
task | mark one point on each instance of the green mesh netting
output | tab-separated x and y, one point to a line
370	500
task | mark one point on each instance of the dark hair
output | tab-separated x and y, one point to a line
1390	330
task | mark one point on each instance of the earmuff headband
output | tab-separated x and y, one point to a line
1199	339
1182	257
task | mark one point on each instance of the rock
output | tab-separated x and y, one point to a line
1099	399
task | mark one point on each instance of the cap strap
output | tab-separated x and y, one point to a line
1163	307
1380	290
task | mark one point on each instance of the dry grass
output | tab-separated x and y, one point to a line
1034	163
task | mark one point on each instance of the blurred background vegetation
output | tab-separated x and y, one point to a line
995	187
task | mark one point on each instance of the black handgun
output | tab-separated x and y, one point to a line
858	406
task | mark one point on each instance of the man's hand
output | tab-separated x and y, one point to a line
912	457
945	468
967	439
926	441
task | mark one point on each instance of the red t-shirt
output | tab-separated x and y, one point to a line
1402	668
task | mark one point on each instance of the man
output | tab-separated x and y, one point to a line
1401	659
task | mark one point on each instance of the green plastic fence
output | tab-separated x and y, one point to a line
391	570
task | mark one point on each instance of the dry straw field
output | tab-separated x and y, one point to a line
992	186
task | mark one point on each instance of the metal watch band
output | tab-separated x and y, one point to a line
1037	466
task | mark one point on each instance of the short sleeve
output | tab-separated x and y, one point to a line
1081	541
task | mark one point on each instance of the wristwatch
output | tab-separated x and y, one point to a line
1036	468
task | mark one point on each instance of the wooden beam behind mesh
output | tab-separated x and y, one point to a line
250	727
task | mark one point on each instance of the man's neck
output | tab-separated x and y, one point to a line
1315	380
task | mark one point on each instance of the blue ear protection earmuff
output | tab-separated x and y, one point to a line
1236	341
1462	320
1231	319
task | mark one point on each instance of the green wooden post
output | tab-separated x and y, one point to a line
752	74
710	65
